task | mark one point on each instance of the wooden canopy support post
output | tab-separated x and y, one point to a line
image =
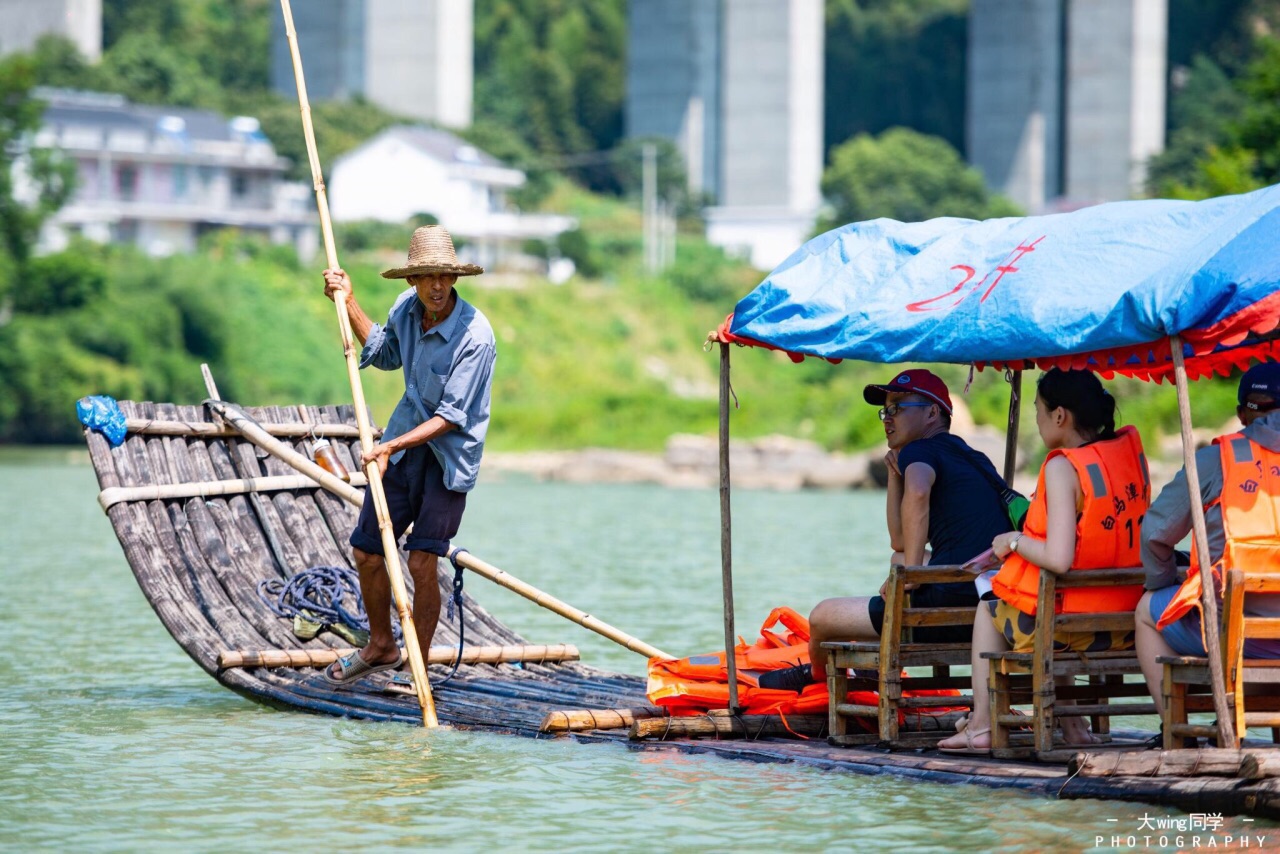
399	591
726	532
1209	586
1011	432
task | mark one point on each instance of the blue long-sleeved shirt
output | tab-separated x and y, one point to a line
448	371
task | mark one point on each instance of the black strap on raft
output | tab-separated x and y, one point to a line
453	607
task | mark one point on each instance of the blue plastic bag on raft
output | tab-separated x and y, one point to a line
101	412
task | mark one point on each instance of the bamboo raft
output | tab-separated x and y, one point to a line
203	516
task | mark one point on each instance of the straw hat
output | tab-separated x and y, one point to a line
431	251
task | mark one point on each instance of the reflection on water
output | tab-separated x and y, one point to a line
111	739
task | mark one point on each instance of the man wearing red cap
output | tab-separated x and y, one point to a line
942	495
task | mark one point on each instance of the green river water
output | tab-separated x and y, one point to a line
111	739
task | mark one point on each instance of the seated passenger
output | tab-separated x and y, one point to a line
1089	501
941	494
1168	617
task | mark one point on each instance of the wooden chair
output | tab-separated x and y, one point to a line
1186	679
895	650
1027	678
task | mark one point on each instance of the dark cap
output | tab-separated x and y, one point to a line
1262	378
918	381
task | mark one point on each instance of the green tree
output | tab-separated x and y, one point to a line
34	181
895	63
555	72
906	176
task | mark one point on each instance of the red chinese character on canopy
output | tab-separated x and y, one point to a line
1000	270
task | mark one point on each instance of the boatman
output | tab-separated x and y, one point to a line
943	495
430	451
1240	491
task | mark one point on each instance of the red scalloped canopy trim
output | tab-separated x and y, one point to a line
1154	361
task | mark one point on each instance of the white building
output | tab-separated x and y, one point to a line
23	22
161	177
738	85
1066	98
406	170
412	57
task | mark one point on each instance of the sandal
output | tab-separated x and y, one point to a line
348	669
962	726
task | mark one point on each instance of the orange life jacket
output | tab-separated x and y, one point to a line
693	685
1117	490
1250	503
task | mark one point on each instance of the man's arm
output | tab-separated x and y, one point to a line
432	428
917	484
337	280
893	502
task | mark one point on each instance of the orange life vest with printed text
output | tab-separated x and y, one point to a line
1250	503
1116	487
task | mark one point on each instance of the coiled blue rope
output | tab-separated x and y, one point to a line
320	591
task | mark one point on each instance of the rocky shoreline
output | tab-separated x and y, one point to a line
693	462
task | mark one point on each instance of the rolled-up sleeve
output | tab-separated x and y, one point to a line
466	393
382	347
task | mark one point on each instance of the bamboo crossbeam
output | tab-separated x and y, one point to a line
725	726
551	603
582	720
114	495
1211	762
288	430
254	432
530	653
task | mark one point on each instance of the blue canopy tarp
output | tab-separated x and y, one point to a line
1102	287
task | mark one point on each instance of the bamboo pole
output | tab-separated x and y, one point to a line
293	430
1011	431
729	726
1208	587
726	533
533	594
1240	764
391	552
532	653
114	495
251	430
582	720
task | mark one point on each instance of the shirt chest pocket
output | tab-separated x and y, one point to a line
431	388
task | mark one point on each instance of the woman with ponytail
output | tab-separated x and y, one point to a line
1085	514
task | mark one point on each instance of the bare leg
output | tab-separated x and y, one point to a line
1074	730
986	638
837	620
1151	645
375	589
426	597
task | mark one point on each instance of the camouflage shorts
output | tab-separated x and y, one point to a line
1019	630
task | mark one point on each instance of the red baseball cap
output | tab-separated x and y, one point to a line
918	381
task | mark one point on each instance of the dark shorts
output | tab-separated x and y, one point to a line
933	596
1183	634
415	494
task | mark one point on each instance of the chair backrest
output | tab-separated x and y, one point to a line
900	618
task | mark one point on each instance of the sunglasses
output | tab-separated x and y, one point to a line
893	409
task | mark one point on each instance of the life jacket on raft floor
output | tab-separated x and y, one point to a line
699	683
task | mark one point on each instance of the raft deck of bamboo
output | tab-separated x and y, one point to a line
199	551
